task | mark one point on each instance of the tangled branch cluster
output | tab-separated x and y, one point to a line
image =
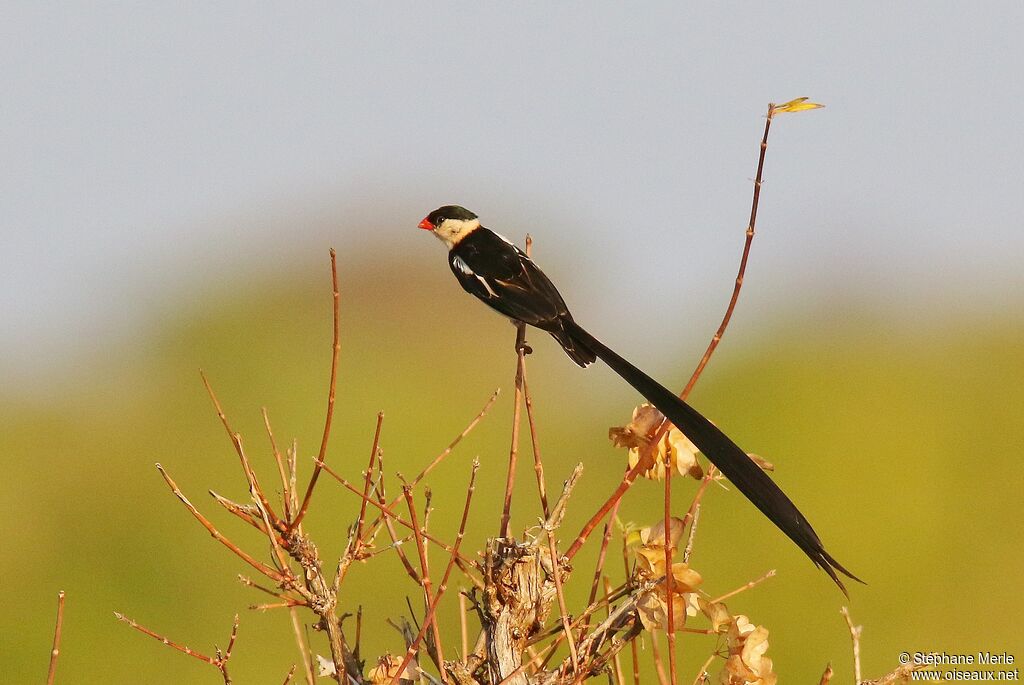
515	600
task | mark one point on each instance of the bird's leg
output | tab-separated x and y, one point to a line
522	347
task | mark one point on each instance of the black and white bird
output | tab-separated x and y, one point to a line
493	269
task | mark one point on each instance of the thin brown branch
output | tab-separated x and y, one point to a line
292	456
217	535
669	548
359	633
458	438
627	481
855	632
231	639
170	643
743	588
463	625
538	464
285	494
688	550
563	609
447	450
428	619
389	523
358	536
550	525
220	662
236	441
633	645
522	349
387	511
616	661
302	645
826	675
245	580
335	354
288	678
247	513
421	548
702	674
657	435
602	554
57	631
646	456
513	452
286	604
659	662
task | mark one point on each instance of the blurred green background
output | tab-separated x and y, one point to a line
173	178
899	446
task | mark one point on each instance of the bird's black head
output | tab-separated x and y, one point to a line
438	216
450	224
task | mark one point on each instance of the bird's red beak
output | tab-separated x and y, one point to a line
426	225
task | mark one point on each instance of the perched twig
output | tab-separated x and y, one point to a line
513	452
335	353
57	630
646	455
522	349
717	338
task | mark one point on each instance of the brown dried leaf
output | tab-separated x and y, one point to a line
387	667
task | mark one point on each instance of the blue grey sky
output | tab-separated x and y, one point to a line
147	146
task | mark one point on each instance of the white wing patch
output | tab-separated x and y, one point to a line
487	285
461	265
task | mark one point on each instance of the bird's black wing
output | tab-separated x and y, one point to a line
503	277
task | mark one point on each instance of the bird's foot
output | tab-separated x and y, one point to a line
524	348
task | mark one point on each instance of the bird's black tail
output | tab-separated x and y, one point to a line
723	453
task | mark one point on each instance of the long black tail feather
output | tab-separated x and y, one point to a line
732	461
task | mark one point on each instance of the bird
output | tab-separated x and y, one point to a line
492	268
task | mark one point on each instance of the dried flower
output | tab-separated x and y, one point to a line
673	448
653	607
387	668
747	663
